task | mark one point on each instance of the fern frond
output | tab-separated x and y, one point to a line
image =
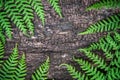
116	59
110	24
75	74
5	24
114	70
112	41
9	66
96	59
15	16
105	44
42	71
2	36
117	36
1	53
26	10
1	4
113	74
39	9
105	4
90	71
101	45
108	43
21	69
55	4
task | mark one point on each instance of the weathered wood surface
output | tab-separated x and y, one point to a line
58	39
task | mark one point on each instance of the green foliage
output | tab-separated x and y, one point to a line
2	36
20	72
26	10
38	7
109	24
96	59
114	70
107	65
14	15
90	70
1	53
75	74
5	24
42	71
15	69
8	68
21	13
56	6
105	4
1	3
97	67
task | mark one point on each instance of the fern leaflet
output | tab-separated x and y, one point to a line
1	4
41	72
111	23
20	72
26	10
90	71
38	7
75	74
55	5
15	16
5	24
105	4
2	36
8	68
113	74
1	53
96	59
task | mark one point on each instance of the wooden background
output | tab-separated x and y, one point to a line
58	39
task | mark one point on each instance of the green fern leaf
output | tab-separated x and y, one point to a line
5	24
102	45
90	70
75	74
8	68
39	9
106	44
42	71
113	74
15	16
1	4
2	36
116	59
105	4
26	10
96	59
117	36
21	69
110	24
56	7
1	53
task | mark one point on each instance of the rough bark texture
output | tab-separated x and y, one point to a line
58	39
